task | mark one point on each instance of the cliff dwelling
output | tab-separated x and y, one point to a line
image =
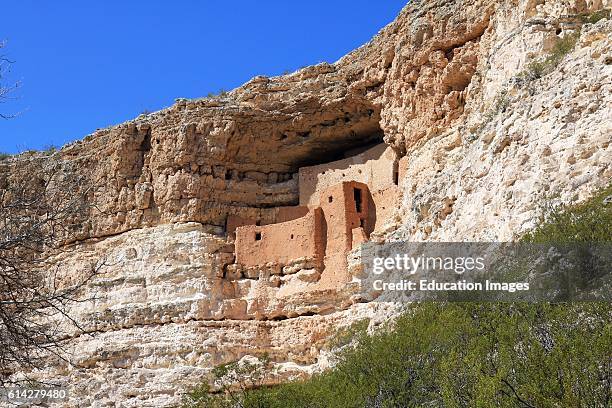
341	203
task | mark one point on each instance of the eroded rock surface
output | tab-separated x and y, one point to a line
482	147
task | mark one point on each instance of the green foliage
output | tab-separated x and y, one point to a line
540	68
590	221
346	335
49	149
222	93
4	156
233	381
500	104
595	17
462	354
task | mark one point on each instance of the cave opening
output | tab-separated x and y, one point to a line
342	148
323	135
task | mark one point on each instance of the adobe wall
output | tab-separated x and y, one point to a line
284	214
385	204
342	216
278	214
374	167
281	243
341	204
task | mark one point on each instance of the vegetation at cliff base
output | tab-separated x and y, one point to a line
461	354
590	221
466	354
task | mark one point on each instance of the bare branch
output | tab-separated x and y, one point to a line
43	206
6	89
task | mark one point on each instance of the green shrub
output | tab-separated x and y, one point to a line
4	156
463	354
469	354
590	221
500	104
595	17
233	380
49	149
538	69
346	335
221	93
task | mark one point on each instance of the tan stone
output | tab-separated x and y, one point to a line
172	186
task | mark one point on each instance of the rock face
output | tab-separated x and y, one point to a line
483	145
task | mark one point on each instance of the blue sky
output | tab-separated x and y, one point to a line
85	65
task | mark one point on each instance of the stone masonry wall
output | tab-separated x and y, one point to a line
281	243
167	308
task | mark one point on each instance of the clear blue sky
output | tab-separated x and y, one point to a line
90	64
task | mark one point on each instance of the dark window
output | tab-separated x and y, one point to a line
258	236
228	174
291	236
258	223
357	196
396	173
362	223
330	199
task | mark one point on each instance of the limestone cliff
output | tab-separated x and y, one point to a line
482	145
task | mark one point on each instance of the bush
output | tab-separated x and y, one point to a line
539	69
49	149
222	93
346	335
233	381
500	104
595	17
590	221
464	354
470	354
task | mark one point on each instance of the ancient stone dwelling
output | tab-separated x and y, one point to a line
340	204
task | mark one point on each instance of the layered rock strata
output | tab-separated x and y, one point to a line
483	146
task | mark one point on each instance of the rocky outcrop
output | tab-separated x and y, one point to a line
484	146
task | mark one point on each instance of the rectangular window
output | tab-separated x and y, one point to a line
258	236
396	173
357	196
